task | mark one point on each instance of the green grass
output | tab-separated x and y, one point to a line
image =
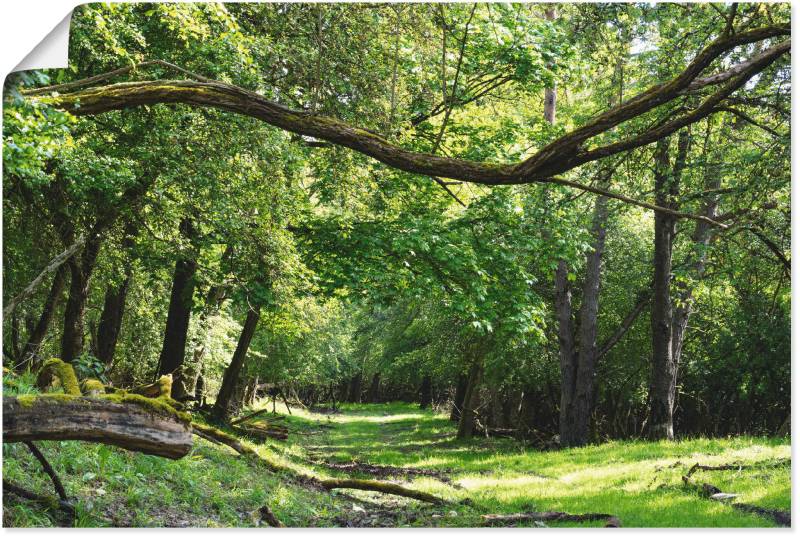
639	482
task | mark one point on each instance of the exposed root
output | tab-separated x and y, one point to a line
549	516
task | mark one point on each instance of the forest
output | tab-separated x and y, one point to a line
389	264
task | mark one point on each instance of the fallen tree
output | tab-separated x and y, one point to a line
129	421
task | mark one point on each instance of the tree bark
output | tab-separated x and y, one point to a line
354	389
114	307
111	318
458	398
664	367
55	264
229	381
80	269
580	402
466	423
173	351
563	154
374	388
137	427
425	392
37	335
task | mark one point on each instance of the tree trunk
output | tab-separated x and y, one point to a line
230	379
458	398
574	430
173	351
425	392
354	389
467	422
111	318
80	268
374	388
37	335
664	368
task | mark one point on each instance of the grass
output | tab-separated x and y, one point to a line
639	482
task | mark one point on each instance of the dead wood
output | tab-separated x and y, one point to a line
768	464
263	433
781	518
160	388
48	469
248	416
215	435
550	516
269	517
131	422
57	373
47	501
382	487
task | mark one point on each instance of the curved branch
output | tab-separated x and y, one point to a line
559	156
54	264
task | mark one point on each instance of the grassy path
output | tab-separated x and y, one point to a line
639	482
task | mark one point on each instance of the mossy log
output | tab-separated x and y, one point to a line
55	373
213	434
160	388
132	422
382	487
93	388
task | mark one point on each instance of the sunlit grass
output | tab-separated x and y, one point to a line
639	482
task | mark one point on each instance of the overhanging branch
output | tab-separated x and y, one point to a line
559	156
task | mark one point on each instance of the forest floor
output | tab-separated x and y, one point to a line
638	482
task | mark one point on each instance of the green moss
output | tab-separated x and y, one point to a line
64	373
93	385
28	400
159	405
165	386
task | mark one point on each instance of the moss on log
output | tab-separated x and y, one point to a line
55	373
129	421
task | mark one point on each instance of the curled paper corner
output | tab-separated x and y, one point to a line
52	52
